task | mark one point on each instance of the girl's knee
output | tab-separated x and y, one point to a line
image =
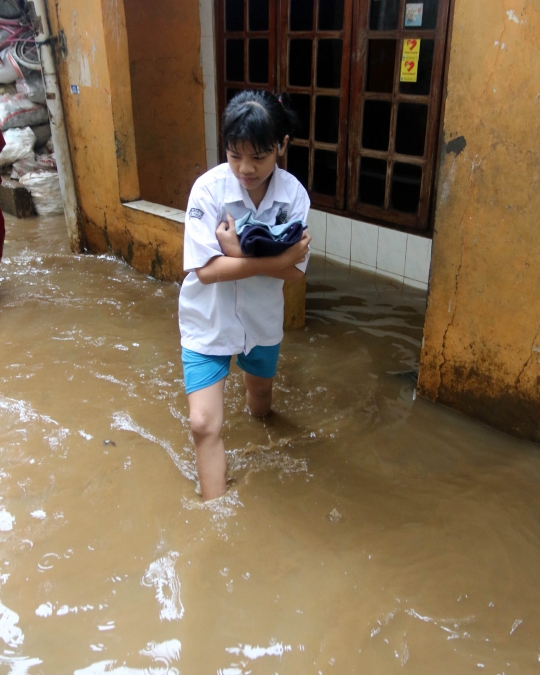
206	411
204	423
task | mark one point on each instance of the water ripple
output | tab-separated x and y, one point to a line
123	421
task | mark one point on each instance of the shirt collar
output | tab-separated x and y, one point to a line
276	190
233	189
234	192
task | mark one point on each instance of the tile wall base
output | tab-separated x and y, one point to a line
403	257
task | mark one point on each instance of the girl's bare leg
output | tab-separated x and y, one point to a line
206	418
259	394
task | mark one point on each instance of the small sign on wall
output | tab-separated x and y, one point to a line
413	14
409	60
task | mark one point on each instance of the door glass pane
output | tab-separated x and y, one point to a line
421	15
329	63
327	119
234	14
330	15
376	125
258	61
372	183
234	60
258	14
231	93
383	14
301	16
325	172
425	62
411	128
381	65
300	63
298	163
406	183
300	103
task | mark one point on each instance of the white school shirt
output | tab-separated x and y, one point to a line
230	317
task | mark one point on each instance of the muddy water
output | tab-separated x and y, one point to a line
366	531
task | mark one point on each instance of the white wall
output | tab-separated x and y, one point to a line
208	61
403	257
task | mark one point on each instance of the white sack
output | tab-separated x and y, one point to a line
19	144
32	163
24	165
32	87
45	190
19	111
9	68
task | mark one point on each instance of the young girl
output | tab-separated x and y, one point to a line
230	303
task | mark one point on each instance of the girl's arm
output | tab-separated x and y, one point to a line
230	245
290	274
225	268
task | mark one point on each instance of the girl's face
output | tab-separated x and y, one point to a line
253	169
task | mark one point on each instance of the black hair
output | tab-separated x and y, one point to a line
260	118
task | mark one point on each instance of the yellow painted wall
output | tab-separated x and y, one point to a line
481	351
166	85
92	53
136	127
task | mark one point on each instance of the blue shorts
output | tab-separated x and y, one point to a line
203	370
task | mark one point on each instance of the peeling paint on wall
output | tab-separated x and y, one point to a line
511	15
456	145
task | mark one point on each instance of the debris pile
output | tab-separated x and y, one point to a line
28	159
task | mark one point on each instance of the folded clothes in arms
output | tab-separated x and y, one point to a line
261	239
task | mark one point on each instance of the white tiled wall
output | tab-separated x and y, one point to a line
206	13
403	257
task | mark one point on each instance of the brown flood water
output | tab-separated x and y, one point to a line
366	531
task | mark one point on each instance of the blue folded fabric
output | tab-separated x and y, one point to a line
260	239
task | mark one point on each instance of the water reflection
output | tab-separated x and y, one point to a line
163	657
161	574
13	637
251	653
364	530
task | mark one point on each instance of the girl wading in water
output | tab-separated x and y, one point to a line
231	303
